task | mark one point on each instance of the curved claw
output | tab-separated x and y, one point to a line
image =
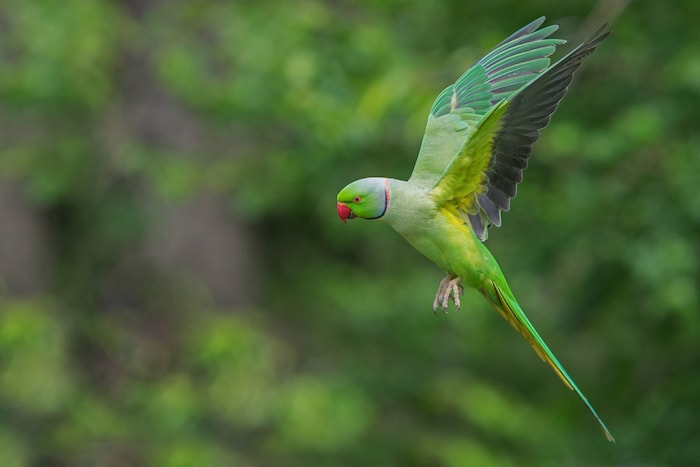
449	287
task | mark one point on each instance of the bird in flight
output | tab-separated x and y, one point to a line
477	143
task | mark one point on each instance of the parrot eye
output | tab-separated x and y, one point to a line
357	199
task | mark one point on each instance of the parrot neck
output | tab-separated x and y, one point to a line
407	205
387	198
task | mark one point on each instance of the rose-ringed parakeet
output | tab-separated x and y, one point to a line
476	145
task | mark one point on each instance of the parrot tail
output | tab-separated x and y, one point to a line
505	303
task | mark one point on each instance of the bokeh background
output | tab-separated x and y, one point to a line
176	288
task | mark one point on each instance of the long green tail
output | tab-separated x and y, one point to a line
503	300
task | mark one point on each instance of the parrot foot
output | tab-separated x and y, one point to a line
449	287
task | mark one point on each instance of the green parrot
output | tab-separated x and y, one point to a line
477	142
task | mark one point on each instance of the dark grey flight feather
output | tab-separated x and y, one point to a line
528	112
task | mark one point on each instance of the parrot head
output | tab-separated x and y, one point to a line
367	198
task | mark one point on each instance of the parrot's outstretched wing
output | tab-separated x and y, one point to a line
483	176
457	110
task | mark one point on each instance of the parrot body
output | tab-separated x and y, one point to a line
455	248
477	142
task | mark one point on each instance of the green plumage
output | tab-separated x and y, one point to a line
477	143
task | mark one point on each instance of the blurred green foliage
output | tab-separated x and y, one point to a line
334	357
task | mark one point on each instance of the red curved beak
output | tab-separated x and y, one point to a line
344	212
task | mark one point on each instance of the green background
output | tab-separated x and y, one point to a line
176	288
